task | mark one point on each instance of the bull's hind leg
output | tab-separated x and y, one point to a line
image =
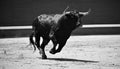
37	40
44	43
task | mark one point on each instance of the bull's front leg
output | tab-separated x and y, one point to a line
53	50
61	45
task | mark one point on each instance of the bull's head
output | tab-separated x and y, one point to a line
75	15
80	14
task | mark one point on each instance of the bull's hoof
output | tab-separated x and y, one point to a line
44	57
52	51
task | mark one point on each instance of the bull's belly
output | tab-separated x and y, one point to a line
62	37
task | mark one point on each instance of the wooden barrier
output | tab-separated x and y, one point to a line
25	31
84	26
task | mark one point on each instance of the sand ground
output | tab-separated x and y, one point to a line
80	52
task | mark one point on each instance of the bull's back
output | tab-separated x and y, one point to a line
44	23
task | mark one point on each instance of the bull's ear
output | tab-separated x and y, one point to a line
67	16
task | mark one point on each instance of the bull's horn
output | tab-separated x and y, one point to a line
65	9
85	13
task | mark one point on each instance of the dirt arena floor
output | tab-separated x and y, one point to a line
80	52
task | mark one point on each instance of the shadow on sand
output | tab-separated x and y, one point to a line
69	59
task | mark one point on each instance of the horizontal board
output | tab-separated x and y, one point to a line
84	26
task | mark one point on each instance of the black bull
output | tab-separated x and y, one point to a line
57	27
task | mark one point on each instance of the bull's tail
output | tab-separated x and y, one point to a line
32	41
